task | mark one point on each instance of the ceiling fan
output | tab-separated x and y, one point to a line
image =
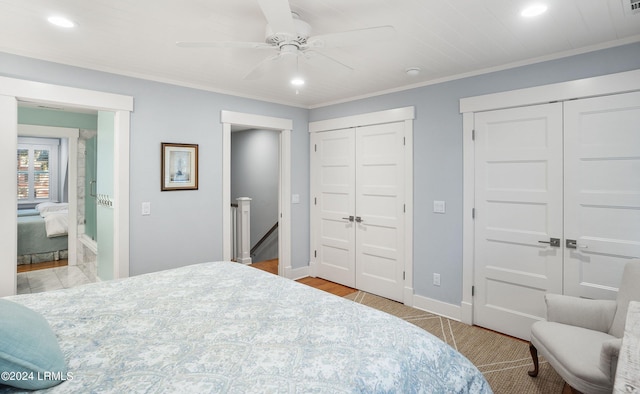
291	38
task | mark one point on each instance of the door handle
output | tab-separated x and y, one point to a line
552	242
91	185
573	244
350	218
359	219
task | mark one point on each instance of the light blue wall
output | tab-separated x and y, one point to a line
438	153
48	117
184	227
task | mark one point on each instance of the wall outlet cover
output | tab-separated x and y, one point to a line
439	207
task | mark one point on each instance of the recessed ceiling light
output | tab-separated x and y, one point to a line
413	71
534	10
61	21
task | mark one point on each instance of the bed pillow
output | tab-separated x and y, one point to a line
30	357
45	207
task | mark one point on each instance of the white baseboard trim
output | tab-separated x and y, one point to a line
408	296
450	311
466	313
313	269
297	273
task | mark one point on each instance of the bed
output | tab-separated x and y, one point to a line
225	327
42	233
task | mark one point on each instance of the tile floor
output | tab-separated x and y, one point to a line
56	278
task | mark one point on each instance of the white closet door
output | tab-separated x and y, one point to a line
602	192
379	211
334	164
518	205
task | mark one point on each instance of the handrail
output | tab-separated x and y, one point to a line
264	238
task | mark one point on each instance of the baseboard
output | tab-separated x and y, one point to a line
449	311
297	273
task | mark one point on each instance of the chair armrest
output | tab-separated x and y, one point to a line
609	357
592	314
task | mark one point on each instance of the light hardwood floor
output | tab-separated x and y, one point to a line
42	266
322	284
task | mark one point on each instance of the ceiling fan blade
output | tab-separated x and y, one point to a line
278	14
351	37
261	68
318	59
225	44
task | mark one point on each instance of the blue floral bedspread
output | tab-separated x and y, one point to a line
224	327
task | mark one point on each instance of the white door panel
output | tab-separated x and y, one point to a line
602	192
379	209
334	162
518	206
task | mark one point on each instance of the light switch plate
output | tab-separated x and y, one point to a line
295	199
146	208
439	207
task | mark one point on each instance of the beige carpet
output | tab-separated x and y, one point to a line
503	360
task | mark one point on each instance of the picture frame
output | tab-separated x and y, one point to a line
179	166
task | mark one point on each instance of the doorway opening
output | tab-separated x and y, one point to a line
254	174
50	201
13	91
242	121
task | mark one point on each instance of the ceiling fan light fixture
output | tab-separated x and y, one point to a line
534	10
297	81
61	21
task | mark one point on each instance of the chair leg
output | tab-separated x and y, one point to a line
534	357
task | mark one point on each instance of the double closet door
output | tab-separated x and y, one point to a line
557	205
358	207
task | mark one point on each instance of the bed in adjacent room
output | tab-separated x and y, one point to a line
42	233
225	327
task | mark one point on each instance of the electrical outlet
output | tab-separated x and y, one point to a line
436	279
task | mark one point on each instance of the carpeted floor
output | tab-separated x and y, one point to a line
503	360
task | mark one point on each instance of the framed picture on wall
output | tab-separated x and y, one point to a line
179	166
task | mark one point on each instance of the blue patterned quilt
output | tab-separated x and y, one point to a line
224	327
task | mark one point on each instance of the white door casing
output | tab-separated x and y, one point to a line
611	84
12	90
518	177
359	200
373	191
602	192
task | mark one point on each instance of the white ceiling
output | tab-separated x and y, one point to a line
444	38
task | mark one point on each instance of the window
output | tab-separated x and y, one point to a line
37	170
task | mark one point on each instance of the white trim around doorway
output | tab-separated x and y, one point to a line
284	126
11	92
588	87
406	115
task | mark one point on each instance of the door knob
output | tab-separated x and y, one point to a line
350	218
359	219
552	242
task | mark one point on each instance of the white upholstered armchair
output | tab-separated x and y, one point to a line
581	338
